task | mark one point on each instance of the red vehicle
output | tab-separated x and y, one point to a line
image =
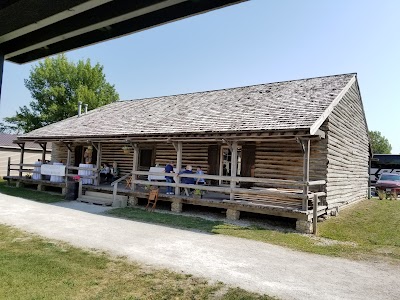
388	184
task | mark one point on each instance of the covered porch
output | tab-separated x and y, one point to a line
275	173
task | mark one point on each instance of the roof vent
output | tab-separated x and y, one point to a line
79	108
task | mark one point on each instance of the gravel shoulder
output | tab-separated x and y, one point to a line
251	265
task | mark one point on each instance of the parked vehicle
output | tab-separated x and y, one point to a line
383	163
388	184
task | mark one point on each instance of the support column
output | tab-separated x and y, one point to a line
306	171
43	146
135	165
98	162
1	70
67	164
9	170
234	160
178	148
21	158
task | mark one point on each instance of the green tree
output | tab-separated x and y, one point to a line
56	85
379	143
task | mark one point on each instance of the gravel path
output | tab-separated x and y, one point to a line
252	265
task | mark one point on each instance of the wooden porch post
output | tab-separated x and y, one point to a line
21	158
234	160
98	161
306	171
67	164
8	170
43	146
178	148
135	165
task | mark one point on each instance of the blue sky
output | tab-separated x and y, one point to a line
258	41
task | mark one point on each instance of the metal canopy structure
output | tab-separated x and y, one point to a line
32	29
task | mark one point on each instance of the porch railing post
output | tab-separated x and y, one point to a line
98	162
21	158
306	171
178	166
44	146
315	212
66	166
9	170
234	160
80	188
135	165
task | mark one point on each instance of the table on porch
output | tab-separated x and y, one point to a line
86	173
158	177
37	176
162	177
55	178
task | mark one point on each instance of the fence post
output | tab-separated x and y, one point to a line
315	211
8	170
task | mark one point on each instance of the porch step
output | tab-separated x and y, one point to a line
104	195
95	200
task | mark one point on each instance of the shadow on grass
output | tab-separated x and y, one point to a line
29	194
175	221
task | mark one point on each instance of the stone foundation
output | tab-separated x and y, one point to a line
304	226
176	206
19	184
133	201
232	214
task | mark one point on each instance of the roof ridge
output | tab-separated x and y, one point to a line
233	88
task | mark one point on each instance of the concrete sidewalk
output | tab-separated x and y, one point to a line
252	265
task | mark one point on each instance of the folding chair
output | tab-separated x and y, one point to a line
128	183
153	197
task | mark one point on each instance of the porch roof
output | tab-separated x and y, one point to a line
283	106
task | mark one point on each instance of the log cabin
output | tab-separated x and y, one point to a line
296	149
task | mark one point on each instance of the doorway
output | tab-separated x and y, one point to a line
225	167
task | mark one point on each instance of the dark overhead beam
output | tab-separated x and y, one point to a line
91	26
22	13
97	18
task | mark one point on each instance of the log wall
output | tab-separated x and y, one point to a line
195	154
277	160
348	151
284	160
110	152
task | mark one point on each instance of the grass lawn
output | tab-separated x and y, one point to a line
35	268
367	230
29	194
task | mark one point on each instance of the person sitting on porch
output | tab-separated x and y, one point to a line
186	180
105	174
169	168
200	172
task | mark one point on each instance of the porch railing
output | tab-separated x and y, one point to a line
301	196
30	169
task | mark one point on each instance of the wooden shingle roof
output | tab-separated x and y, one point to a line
288	105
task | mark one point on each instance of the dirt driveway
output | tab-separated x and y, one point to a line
252	265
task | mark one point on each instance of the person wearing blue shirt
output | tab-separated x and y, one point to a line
188	170
169	168
200	172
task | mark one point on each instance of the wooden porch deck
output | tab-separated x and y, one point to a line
290	208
